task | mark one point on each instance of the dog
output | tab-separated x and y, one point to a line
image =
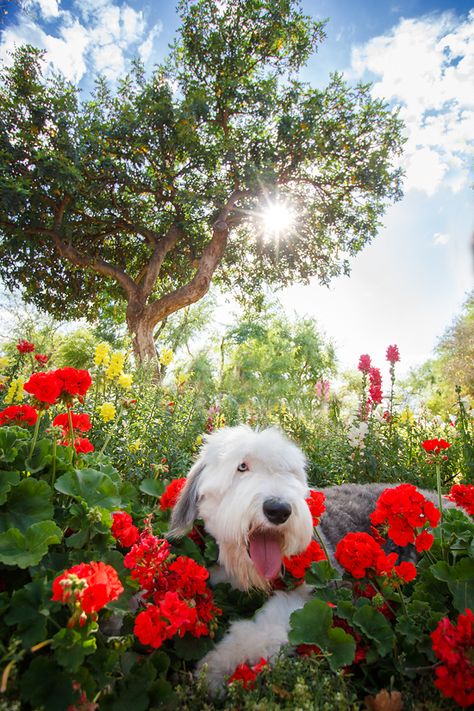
249	488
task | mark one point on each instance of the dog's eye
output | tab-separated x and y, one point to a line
242	467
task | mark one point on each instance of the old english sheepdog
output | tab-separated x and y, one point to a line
249	488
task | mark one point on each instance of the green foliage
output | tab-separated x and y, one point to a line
140	195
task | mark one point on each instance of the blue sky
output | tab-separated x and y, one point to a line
409	284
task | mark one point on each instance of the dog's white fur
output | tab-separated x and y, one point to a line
230	503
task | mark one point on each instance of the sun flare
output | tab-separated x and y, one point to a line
277	218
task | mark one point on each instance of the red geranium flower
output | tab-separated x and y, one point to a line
402	511
454	645
435	446
393	355
80	422
25	347
42	359
316	505
150	627
362	556
406	571
297	565
170	495
123	529
88	587
424	541
463	496
246	674
44	387
73	381
16	414
82	445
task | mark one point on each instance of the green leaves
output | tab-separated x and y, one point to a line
376	627
459	579
152	487
27	503
94	487
313	625
7	481
26	549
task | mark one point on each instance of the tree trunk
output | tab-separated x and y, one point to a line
141	330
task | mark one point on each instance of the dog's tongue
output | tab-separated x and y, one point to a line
265	554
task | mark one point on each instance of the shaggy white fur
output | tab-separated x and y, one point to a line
249	488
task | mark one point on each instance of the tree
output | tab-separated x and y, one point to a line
269	358
145	195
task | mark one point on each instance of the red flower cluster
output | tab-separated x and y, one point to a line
247	675
361	555
364	364
393	354
41	359
80	422
25	347
454	646
62	384
16	414
82	445
87	587
182	602
463	496
375	386
316	505
402	512
297	565
434	447
123	529
170	495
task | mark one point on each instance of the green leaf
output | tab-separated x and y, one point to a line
376	627
27	549
152	487
12	439
7	481
41	457
45	686
28	613
94	487
27	504
321	573
72	647
133	691
313	625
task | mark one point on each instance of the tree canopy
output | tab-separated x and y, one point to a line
144	194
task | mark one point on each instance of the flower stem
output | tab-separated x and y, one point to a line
440	500
71	433
323	546
53	472
35	434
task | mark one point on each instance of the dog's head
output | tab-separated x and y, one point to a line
249	488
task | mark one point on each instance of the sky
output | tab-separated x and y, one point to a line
410	283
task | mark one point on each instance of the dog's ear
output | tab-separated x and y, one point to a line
185	511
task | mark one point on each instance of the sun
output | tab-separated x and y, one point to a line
277	218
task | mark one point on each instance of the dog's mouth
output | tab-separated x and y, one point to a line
265	552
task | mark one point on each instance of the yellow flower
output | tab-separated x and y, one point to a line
166	356
125	381
198	441
102	354
182	379
135	445
15	391
117	360
4	362
107	411
407	417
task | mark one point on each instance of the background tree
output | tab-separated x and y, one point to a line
144	195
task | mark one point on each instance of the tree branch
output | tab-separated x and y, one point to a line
162	246
210	259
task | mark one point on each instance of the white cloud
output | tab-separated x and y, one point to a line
425	67
440	238
93	36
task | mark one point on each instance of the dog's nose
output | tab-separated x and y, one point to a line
276	510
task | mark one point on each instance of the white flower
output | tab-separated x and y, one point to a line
357	433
